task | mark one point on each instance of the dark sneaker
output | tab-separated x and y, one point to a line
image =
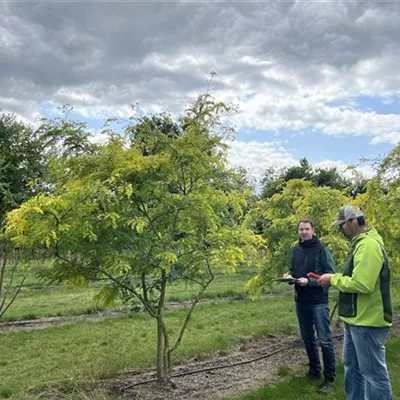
327	386
312	377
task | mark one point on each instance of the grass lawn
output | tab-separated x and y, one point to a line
85	351
52	301
46	301
88	350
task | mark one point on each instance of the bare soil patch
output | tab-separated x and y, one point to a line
225	382
231	381
42	323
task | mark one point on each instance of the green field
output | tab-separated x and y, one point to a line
84	350
37	300
74	355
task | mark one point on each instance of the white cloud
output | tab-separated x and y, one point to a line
387	137
256	157
365	169
99	138
285	63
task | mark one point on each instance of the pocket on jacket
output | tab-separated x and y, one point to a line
347	304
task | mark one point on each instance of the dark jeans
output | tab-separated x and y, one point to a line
314	323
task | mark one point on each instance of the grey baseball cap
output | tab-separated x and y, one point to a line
347	212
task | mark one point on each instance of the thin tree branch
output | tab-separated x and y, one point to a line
2	312
145	300
183	180
192	307
9	285
3	309
145	213
113	279
193	280
130	289
3	261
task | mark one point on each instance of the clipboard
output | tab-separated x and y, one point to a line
287	279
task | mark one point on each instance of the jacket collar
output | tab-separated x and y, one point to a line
309	243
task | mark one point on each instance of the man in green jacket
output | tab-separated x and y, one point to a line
364	307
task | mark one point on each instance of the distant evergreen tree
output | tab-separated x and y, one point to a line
275	179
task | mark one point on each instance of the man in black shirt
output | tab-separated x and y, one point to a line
312	306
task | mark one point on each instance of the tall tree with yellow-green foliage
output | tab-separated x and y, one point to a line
142	211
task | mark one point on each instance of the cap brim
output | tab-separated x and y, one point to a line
338	222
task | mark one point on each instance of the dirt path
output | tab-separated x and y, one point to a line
41	323
226	382
232	381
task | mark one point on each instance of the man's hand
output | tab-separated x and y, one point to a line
325	280
302	281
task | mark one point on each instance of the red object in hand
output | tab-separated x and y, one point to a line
312	275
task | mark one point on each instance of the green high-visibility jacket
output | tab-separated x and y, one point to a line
364	286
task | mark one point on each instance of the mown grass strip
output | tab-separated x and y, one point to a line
63	300
98	349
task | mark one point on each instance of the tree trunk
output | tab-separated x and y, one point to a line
163	359
161	368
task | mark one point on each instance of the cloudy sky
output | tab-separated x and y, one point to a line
315	79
